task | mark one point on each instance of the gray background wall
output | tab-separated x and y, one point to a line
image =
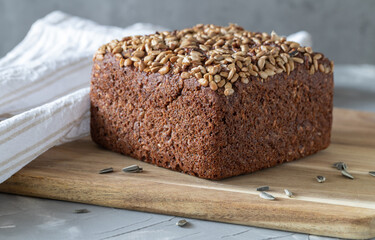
343	29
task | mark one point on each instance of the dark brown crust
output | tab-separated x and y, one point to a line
177	124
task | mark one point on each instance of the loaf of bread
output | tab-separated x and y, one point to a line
210	101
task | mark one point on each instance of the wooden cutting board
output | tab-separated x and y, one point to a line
339	207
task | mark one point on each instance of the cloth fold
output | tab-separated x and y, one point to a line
44	85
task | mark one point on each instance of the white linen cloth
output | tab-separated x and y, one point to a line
44	85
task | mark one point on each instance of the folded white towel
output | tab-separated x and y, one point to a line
44	85
51	66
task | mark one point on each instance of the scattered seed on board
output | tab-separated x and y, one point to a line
340	166
372	173
263	188
267	196
132	169
106	170
346	174
320	179
83	210
181	223
288	193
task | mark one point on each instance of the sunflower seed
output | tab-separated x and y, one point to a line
132	169
99	57
228	91
309	50
213	86
203	82
298	60
185	75
372	173
340	166
164	70
181	223
128	62
79	211
288	193
320	179
267	196
293	53
346	174
106	170
263	188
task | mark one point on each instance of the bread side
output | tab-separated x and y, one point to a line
156	118
188	119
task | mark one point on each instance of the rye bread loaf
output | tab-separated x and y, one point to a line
212	102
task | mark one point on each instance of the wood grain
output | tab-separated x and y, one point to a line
340	207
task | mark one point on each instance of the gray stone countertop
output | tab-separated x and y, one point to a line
35	218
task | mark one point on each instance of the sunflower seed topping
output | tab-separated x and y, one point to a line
132	169
320	179
267	196
263	188
372	173
106	170
236	55
346	174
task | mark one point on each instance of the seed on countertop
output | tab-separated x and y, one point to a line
288	193
181	223
372	173
267	196
340	166
346	174
320	179
106	170
83	210
263	188
132	169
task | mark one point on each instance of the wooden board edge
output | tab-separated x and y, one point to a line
188	203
